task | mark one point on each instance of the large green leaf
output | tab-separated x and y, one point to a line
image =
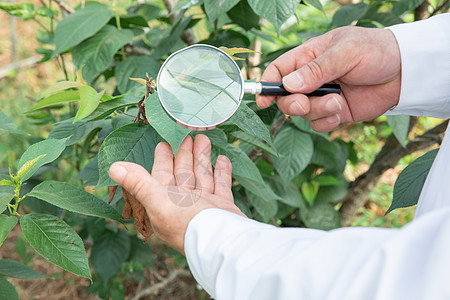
329	154
72	198
400	126
403	6
57	242
166	127
134	143
321	216
349	13
265	207
58	98
135	67
7	124
60	86
72	132
80	25
12	268
96	53
6	194
275	11
251	139
243	15
6	225
89	101
289	195
408	186
316	4
296	150
172	36
50	147
109	252
214	8
7	290
246	119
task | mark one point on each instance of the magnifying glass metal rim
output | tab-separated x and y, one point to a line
209	126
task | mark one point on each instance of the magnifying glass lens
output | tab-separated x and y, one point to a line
200	86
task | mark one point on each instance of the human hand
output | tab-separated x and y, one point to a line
366	64
178	188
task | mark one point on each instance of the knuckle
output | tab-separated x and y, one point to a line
315	70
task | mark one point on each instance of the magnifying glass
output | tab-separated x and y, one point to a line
201	86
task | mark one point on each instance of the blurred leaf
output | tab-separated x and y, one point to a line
409	184
80	25
275	11
89	174
148	11
184	4
347	14
141	252
403	6
171	37
57	242
386	19
315	4
96	53
109	252
243	15
400	126
74	199
135	66
51	147
6	195
329	154
134	143
240	202
289	195
166	127
296	150
267	208
327	180
6	225
309	191
58	98
331	193
215	8
89	101
305	125
8	125
12	268
7	290
321	216
58	87
130	21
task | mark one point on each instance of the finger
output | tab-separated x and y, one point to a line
137	181
202	164
326	124
222	178
271	74
294	105
325	106
163	164
184	164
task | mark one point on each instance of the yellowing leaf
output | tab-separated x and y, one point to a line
26	166
80	79
140	80
233	51
6	182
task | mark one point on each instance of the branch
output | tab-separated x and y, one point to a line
156	288
65	7
388	158
439	8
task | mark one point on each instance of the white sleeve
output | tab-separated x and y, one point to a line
237	258
425	58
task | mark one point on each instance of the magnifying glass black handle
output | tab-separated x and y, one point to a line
277	89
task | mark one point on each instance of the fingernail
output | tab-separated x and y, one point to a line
117	173
333	106
334	119
293	81
295	109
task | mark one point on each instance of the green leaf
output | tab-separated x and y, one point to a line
315	4
132	97
58	87
6	194
331	193
27	166
243	15
12	268
61	97
74	199
296	150
8	125
149	11
409	184
403	6
89	101
52	148
386	19
96	53
6	225
135	67
184	4
70	132
89	174
130	21
214	8
247	120
275	11
80	25
166	127
134	143
57	242
321	216
172	37
305	126
7	290
251	139
309	191
349	13
329	154
400	126
266	208
109	252
327	180
289	195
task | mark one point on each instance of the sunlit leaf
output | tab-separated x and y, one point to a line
89	101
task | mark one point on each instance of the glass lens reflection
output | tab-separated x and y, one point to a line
200	86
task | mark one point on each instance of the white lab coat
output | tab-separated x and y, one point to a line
237	258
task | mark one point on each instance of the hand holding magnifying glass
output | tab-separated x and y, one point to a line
201	87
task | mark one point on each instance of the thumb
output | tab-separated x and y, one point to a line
137	181
323	69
